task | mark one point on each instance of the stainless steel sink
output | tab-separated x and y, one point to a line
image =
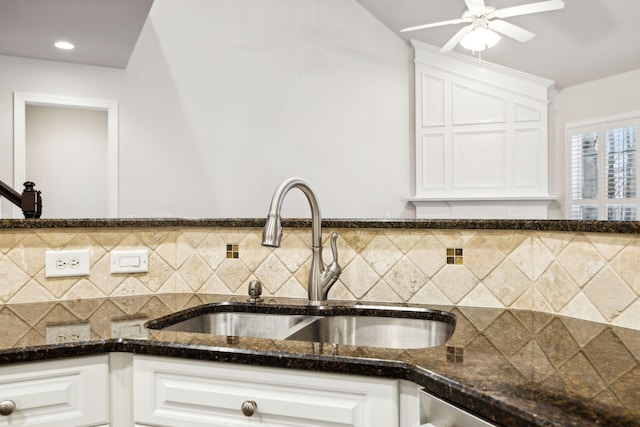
370	326
257	325
389	332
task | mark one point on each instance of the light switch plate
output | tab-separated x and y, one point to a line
68	263
131	261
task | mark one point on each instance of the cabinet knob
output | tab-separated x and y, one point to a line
7	407
248	407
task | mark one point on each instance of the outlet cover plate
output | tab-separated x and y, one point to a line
68	263
71	332
130	261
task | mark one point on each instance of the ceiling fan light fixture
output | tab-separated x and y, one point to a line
479	39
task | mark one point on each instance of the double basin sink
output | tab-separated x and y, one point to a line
395	327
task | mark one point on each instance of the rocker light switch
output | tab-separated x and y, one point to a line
134	261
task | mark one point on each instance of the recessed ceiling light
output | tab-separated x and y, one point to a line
64	45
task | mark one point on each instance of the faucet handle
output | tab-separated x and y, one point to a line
333	270
334	247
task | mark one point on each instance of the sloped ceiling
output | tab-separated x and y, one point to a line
587	40
105	32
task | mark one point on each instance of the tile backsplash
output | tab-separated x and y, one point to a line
589	276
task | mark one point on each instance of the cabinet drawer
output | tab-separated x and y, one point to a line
64	392
195	393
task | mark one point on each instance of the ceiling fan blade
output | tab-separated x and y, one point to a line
435	24
475	5
510	30
453	41
525	9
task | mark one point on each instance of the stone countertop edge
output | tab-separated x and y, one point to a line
487	402
501	413
628	227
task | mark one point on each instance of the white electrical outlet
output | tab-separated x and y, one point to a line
71	332
69	263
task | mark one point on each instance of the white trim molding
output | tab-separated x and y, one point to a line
481	139
20	102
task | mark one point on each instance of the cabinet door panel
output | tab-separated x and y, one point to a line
64	393
211	394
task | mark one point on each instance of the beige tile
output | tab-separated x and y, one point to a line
540	302
101	276
557	286
522	257
83	289
481	256
252	253
159	273
625	264
186	243
480	296
213	285
507	241
430	294
109	239
405	278
629	318
524	301
31	292
556	242
272	273
11	277
381	254
293	289
233	274
454	238
382	292
581	307
167	250
293	252
130	286
404	240
213	250
56	239
358	277
542	258
455	282
429	254
29	254
609	294
507	283
8	239
609	244
195	271
358	239
581	260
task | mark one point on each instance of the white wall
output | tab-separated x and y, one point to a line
223	100
611	96
76	183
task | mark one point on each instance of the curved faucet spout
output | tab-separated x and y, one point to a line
320	281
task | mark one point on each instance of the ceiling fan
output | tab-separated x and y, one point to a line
485	22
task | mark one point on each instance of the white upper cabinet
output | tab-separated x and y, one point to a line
481	139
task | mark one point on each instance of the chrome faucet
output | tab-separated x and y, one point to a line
320	280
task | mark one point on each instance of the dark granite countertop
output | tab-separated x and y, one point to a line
631	227
516	368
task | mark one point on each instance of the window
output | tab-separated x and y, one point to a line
604	175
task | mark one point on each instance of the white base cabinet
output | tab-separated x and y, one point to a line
56	393
177	392
124	390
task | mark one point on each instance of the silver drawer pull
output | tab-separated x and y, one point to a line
248	407
7	407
